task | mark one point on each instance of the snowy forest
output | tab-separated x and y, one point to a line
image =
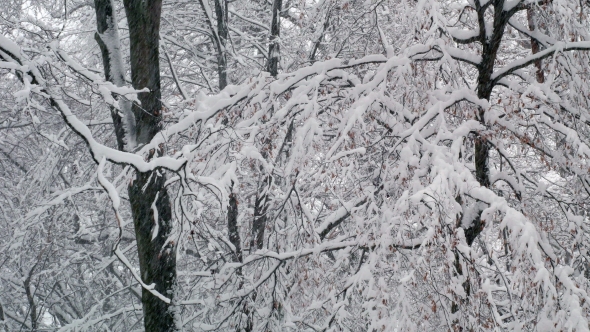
294	165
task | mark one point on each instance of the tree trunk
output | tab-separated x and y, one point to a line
485	85
222	34
150	203
143	17
219	36
535	47
262	196
107	37
233	230
260	209
3	325
32	311
318	43
157	255
275	32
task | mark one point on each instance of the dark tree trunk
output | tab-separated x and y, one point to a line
150	203
143	17
222	30
30	297
147	194
485	84
232	228
2	319
219	37
318	43
275	32
157	255
482	174
535	47
260	210
106	27
262	197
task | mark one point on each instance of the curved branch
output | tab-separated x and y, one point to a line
522	63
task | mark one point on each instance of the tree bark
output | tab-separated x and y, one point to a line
150	203
233	230
318	43
262	196
219	36
3	325
535	47
107	37
485	85
157	255
260	210
30	297
143	17
222	34
275	32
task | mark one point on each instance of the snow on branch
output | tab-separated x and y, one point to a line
527	61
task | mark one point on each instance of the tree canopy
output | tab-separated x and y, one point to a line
322	165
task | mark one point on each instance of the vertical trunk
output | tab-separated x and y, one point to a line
458	271
157	255
482	174
30	297
232	228
3	325
318	43
150	203
275	31
222	34
262	197
535	47
219	36
485	85
107	37
260	209
143	17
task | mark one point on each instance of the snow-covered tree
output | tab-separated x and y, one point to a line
295	165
